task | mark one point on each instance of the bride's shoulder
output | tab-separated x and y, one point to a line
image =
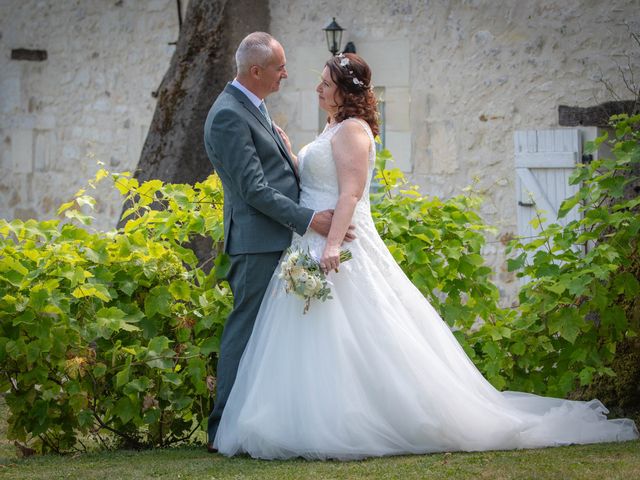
356	122
352	137
353	127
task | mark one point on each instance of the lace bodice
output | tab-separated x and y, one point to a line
320	191
319	179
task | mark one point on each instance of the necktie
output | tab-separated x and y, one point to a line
263	109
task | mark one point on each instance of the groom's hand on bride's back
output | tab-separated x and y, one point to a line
321	223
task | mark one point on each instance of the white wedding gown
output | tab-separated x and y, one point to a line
375	370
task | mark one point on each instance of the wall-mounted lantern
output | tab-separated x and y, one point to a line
333	32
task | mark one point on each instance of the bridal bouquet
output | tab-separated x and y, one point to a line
303	276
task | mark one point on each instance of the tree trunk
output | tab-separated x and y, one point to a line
202	64
200	68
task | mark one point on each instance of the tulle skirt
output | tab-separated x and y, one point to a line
375	371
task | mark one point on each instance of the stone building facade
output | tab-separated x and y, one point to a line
457	79
89	101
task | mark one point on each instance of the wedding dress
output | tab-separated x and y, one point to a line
374	370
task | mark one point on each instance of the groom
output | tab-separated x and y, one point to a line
261	192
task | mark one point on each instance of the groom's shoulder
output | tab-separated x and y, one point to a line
226	101
224	112
226	109
229	94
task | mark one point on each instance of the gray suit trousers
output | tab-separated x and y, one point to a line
248	277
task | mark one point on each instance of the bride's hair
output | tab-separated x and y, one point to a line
352	76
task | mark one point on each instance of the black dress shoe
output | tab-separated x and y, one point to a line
211	448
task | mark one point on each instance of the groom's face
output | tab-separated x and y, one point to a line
274	71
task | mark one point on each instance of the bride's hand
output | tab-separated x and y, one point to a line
286	141
330	259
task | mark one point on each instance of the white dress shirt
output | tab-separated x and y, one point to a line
249	94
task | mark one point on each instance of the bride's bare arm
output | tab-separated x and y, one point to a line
350	147
321	221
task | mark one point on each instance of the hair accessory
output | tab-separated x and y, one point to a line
344	62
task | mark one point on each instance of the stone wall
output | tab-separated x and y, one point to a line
458	78
89	101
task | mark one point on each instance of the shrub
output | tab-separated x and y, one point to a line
111	331
117	331
576	308
439	246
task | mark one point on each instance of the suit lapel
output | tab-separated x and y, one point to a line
247	104
284	149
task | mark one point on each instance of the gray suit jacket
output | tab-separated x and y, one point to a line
261	188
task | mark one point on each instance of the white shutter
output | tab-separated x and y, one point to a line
544	161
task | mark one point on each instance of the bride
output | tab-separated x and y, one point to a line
374	370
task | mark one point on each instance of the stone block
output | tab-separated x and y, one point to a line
55	188
5	150
99	135
159	5
10	88
45	122
134	144
82	79
300	138
21	150
15	192
283	108
399	144
389	61
44	144
70	153
442	151
22	121
307	66
24	213
5	212
102	105
309	110
397	107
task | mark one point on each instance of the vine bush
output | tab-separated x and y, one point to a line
111	331
114	334
581	299
439	246
584	277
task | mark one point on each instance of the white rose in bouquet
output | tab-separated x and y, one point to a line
303	276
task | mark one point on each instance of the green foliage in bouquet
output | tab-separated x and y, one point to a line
582	296
304	277
111	332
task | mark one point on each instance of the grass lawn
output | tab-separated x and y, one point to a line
605	461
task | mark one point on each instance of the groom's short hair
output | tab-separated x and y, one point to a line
254	49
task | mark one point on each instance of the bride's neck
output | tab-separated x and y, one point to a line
332	120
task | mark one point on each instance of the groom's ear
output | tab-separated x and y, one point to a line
256	71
